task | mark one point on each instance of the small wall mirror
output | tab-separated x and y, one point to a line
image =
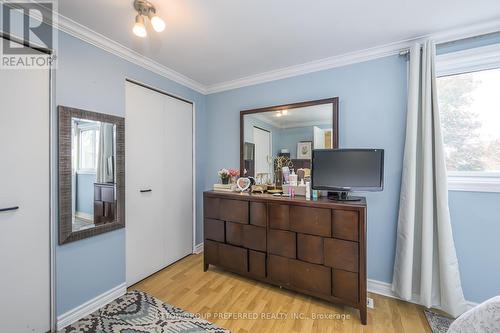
285	134
90	173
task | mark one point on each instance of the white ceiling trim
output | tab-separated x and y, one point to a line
310	67
355	57
90	36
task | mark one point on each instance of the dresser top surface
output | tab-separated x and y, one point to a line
322	201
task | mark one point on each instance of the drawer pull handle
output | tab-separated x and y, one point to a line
145	191
9	209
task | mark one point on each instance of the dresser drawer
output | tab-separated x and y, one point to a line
258	214
234	258
311	277
279	217
279	270
341	254
214	230
345	285
234	233
234	211
211	207
345	224
211	252
308	220
254	237
108	193
310	248
257	263
282	243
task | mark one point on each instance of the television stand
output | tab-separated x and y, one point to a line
342	196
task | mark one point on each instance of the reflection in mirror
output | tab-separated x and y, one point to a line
93	173
286	136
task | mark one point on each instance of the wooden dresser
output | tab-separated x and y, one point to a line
104	203
313	247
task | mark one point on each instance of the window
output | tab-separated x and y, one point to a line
85	146
469	106
88	149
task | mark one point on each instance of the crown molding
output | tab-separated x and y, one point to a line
312	66
92	37
440	37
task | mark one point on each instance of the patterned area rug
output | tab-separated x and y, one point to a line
437	322
138	312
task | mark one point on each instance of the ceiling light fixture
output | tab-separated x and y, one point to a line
146	8
281	113
139	27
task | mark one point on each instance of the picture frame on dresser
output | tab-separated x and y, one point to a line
304	150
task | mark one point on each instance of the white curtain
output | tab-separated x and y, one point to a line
105	154
426	265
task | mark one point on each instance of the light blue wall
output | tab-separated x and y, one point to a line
469	43
372	114
475	219
85	192
92	79
289	137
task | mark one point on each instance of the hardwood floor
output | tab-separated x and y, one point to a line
225	299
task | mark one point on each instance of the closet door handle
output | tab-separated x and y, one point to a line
8	209
145	191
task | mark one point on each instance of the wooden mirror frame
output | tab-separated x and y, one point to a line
335	121
66	233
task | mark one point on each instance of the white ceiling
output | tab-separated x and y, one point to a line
299	117
216	41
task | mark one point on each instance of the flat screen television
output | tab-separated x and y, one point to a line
341	171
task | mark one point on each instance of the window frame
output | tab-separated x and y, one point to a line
80	128
461	62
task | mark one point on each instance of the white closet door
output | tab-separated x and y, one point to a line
158	136
178	150
24	182
319	138
262	141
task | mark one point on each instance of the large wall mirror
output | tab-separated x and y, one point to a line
285	135
91	174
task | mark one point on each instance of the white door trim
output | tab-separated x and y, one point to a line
53	193
193	110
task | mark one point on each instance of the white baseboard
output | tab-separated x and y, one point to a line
198	248
385	289
90	306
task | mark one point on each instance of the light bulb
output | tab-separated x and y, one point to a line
157	23
139	28
278	114
284	112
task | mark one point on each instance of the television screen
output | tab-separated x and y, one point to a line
348	169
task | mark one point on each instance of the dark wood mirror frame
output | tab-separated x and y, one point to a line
66	233
335	120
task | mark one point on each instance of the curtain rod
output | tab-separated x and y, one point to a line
404	52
